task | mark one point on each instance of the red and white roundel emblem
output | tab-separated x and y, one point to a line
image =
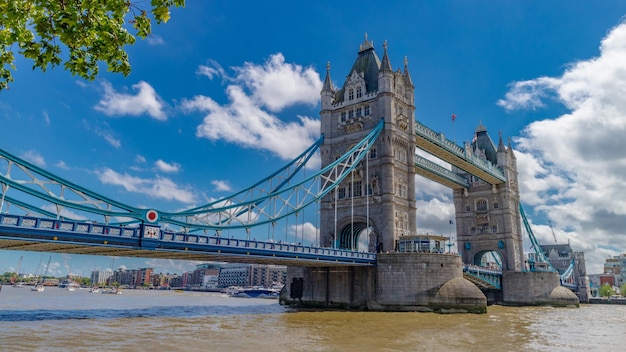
152	215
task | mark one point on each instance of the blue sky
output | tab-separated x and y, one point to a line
227	92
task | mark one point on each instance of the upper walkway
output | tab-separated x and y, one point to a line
446	150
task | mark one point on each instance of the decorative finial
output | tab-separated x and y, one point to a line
406	61
328	66
385	45
366	44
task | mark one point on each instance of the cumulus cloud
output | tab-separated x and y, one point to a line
212	70
572	167
34	157
221	186
256	92
167	167
159	187
146	101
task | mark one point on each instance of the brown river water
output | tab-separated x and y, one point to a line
61	320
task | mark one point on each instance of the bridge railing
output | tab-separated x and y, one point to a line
136	232
440	140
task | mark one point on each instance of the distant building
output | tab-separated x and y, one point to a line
143	277
101	278
252	275
560	257
614	272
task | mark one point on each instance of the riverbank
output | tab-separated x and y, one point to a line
595	300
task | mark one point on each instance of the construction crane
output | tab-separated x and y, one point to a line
553	234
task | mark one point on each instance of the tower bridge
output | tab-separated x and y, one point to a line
363	193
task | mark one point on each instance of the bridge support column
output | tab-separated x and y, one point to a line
523	288
423	282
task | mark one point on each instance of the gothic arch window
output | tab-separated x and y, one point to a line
481	205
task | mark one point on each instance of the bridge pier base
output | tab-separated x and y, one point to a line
425	282
523	288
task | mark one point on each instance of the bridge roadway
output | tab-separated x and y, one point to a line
28	233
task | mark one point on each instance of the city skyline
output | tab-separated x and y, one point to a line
226	93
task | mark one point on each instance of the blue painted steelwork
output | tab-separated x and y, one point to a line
462	160
279	203
150	241
485	277
535	246
444	175
266	201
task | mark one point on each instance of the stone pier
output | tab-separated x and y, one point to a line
424	282
523	288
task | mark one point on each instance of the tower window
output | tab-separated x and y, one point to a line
343	116
358	92
342	193
359	111
467	208
350	94
481	205
367	111
350	114
373	153
495	205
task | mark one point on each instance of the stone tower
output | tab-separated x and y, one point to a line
488	216
376	203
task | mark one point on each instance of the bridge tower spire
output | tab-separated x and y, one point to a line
488	216
376	204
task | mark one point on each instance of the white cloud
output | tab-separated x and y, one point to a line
46	118
140	159
255	93
158	187
213	69
146	101
167	167
62	165
277	84
305	234
572	167
221	186
154	39
34	157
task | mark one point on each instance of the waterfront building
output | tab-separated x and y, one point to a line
198	277
252	275
143	277
101	277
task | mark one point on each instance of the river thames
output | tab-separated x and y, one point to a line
137	320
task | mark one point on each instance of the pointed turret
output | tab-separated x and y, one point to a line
328	84
385	75
328	92
385	65
406	75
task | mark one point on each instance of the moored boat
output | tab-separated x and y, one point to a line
256	292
